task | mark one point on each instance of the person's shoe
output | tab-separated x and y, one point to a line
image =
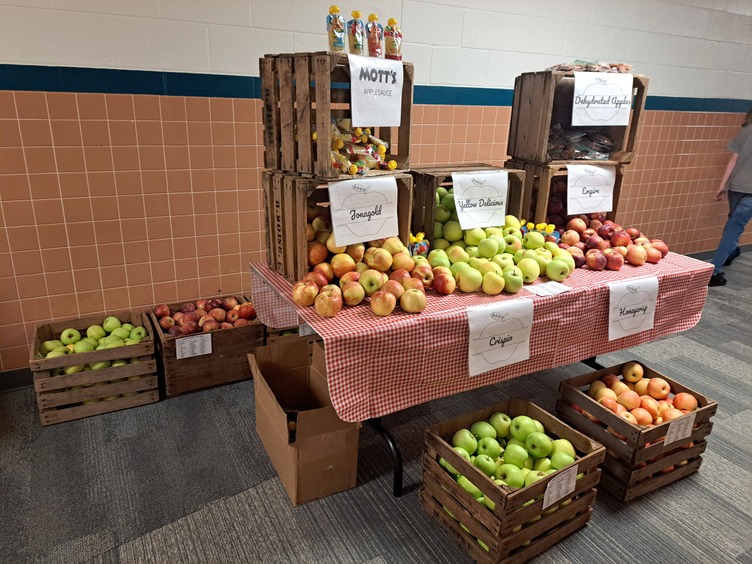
736	253
717	280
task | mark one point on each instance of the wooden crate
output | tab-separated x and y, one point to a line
537	187
292	335
125	386
512	531
301	94
226	363
427	180
640	463
289	195
542	99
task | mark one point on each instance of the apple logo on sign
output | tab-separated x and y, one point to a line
501	338
598	100
590	190
481	202
366	211
632	308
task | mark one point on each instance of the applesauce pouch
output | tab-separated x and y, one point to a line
335	29
375	36
393	40
356	34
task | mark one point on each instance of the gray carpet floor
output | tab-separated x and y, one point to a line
188	480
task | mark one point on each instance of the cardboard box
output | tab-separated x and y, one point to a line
318	455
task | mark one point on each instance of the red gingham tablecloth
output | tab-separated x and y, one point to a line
376	366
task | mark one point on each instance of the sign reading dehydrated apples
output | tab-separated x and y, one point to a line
499	334
363	209
480	198
601	98
590	189
632	306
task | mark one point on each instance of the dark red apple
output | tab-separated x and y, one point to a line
596	242
596	260
595	224
614	259
201	304
174	331
633	232
247	311
585	235
188	307
241	322
212	304
189	327
233	315
166	322
605	230
579	261
229	303
620	238
162	310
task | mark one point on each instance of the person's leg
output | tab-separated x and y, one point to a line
741	212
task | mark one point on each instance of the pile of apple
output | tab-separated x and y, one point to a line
204	315
512	452
640	401
599	243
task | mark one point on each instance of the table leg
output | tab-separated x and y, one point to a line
394	451
592	363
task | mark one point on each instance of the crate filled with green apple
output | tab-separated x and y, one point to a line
509	481
204	343
653	427
92	365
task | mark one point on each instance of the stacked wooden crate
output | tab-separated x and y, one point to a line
542	100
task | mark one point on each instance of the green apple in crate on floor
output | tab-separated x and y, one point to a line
204	315
110	334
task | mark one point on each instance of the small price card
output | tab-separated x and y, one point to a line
561	485
547	288
376	91
631	306
680	429
480	198
499	335
590	189
195	345
363	209
601	98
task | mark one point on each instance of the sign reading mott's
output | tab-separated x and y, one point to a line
376	91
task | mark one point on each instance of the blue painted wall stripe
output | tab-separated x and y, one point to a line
116	81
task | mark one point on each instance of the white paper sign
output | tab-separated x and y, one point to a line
376	91
363	209
561	485
195	345
547	288
680	429
480	198
601	98
499	334
632	306
590	189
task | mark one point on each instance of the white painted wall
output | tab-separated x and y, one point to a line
695	48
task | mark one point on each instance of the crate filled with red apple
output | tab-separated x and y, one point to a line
654	428
509	481
92	365
204	343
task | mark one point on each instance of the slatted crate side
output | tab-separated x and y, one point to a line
98	408
622	492
630	476
52	400
266	186
47	331
304	112
542	98
45	382
270	111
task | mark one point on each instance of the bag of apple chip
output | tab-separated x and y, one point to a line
339	162
356	34
393	40
381	145
375	36
335	28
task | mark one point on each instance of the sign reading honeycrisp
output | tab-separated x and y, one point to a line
590	189
375	91
602	98
499	334
632	306
363	209
480	198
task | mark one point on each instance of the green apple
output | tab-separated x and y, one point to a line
488	248
530	270
469	280
542	464
128	327
491	506
533	476
533	240
74	369
513	232
138	333
110	339
472	251
557	270
94	342
452	230
501	423
563	445
122	333
503	260
516	455
466	440
513	280
489	266
511	475
129	342
120	362
70	336
457	267
448	202
111	323
561	459
513	244
441	214
477	262
513	441
114	344
49	346
457	254
567	258
469	487
474	236
542	261
441	192
521	427
499	238
84	345
512	221
550	246
493	282
58	352
538	444
485	464
96	332
442	244
481	429
489	446
529	463
440	261
100	365
539	426
436	253
494	231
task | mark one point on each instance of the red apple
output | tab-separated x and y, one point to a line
400	275
576	224
614	260
642	415
670	414
651	406
629	399
166	322
201	304
633	232
353	276
226	325
229	303
636	255
585	235
161	310
188	307
653	255
212	304
174	331
233	315
219	314
317	253
608	403
658	388
660	245
394	287
403	261
595	224
353	293
383	303
247	310
444	284
210	325
329	302
620	238
413	301
378	259
189	327
683	400
200	313
424	274
597	242
570	237
178	317
240	322
605	230
595	260
326	269
356	251
413	283
316	277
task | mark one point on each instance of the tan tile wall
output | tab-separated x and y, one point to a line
111	202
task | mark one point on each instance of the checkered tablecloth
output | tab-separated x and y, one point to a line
376	366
